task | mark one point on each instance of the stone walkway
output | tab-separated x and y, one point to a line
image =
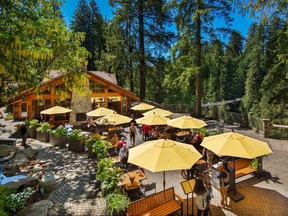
77	193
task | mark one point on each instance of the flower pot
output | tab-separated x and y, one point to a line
58	141
76	145
43	136
91	154
31	133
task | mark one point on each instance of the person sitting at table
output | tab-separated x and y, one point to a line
133	183
91	125
189	137
120	144
123	154
114	140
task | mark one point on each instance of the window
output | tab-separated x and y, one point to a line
96	87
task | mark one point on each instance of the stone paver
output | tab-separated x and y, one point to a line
77	194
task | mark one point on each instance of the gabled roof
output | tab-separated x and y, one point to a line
110	79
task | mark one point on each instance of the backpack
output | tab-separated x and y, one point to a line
201	202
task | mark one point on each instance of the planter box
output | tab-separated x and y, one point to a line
43	137
91	154
31	133
58	141
76	145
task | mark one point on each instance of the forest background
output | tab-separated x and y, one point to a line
189	63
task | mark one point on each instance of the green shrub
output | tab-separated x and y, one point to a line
44	127
18	201
117	202
32	123
4	193
101	148
76	135
59	131
92	140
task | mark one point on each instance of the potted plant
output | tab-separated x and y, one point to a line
101	148
117	203
90	143
109	175
32	124
43	132
76	141
58	136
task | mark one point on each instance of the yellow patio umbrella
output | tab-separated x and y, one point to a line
152	119
236	145
116	119
143	106
164	155
186	122
102	111
55	110
158	111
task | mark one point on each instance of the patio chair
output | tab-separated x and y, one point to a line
148	188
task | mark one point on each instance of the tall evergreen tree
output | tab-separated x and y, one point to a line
87	19
254	56
195	19
147	21
274	88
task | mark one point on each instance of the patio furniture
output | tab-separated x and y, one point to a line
146	189
161	203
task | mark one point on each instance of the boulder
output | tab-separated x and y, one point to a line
6	150
21	184
48	182
18	160
37	209
30	153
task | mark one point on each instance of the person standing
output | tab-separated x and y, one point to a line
209	157
24	132
202	198
132	133
146	131
123	154
223	177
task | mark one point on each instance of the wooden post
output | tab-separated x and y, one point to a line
266	127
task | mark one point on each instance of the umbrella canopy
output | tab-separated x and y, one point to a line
186	122
102	111
114	119
158	111
152	119
236	145
143	106
163	155
55	110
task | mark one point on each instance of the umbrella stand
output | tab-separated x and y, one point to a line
235	195
164	183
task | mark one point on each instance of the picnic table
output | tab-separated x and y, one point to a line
139	175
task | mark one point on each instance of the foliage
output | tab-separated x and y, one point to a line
88	19
4	194
43	127
9	116
18	200
117	202
109	175
92	140
34	40
59	131
255	163
32	123
101	148
76	135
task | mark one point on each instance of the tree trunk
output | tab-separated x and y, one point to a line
142	52
198	60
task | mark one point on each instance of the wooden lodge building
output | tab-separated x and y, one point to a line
103	92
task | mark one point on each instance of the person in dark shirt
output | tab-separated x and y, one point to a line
24	132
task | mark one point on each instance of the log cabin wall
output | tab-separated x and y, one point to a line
104	93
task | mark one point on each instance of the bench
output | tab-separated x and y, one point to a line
161	203
242	167
8	141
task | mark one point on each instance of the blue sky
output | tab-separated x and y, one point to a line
241	24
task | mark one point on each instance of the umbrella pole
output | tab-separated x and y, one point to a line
234	176
164	180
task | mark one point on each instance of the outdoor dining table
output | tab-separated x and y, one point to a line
139	175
